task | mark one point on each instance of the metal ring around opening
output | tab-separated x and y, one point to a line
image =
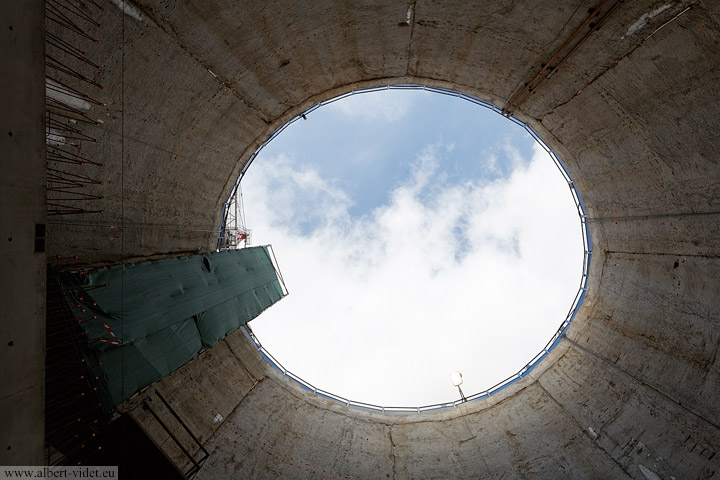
523	372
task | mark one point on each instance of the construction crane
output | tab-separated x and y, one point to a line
236	234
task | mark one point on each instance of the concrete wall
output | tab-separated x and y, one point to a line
22	206
193	88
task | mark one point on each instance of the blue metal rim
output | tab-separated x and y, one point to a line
523	372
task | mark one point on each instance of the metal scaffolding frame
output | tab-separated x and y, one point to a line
235	234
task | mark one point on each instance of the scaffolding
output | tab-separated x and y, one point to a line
235	234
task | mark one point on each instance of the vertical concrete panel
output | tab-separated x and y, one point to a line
635	425
296	438
658	321
22	207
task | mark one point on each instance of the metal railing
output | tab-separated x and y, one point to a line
196	464
524	371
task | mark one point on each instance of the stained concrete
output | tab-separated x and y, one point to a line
580	416
195	87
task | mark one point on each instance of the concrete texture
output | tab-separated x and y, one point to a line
580	416
22	206
193	88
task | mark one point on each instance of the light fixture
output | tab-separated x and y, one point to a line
456	379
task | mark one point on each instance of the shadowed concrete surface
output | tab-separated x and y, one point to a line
22	243
193	88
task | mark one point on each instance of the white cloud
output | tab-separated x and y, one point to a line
293	196
383	106
447	277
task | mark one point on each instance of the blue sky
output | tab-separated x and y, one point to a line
366	144
418	234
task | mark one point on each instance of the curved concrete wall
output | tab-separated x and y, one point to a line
193	88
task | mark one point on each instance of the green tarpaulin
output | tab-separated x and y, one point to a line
143	321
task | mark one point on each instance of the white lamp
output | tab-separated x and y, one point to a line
456	379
